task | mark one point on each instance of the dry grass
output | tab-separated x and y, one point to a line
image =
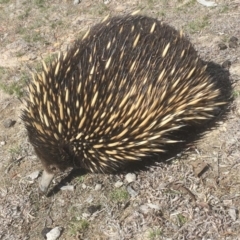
196	196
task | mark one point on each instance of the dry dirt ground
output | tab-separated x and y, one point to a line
195	196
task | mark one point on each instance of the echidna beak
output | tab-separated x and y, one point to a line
45	181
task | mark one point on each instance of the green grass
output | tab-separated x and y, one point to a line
119	195
236	94
199	24
181	219
4	1
14	88
224	9
25	14
154	233
76	226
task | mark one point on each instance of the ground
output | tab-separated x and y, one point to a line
196	195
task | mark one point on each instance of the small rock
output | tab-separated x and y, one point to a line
130	177
75	2
233	44
227	202
45	231
207	3
222	46
98	187
144	209
84	186
86	215
131	191
233	39
8	123
34	175
233	213
54	234
32	57
93	208
106	1
226	64
153	206
118	184
67	188
2	143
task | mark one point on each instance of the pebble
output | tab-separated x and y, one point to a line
130	177
98	187
8	123
67	188
233	213
2	143
154	206
233	39
54	234
222	46
144	209
33	175
226	64
84	186
131	191
93	208
75	2
233	42
118	184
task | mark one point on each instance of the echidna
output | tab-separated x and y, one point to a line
118	94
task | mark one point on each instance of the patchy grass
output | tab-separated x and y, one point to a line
154	233
119	195
47	27
15	88
198	25
77	226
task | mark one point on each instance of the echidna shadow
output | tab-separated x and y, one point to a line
130	89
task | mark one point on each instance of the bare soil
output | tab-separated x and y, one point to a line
196	195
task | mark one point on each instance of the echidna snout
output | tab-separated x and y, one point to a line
119	94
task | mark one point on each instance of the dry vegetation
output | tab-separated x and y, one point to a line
195	196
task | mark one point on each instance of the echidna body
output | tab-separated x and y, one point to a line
118	94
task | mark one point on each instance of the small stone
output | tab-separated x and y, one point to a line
233	213
33	175
144	209
226	64
8	123
45	231
130	177
227	202
154	206
86	215
2	143
222	46
54	234
131	191
67	188
32	57
98	187
233	39
75	2
106	1
84	186
118	184
93	208
233	44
